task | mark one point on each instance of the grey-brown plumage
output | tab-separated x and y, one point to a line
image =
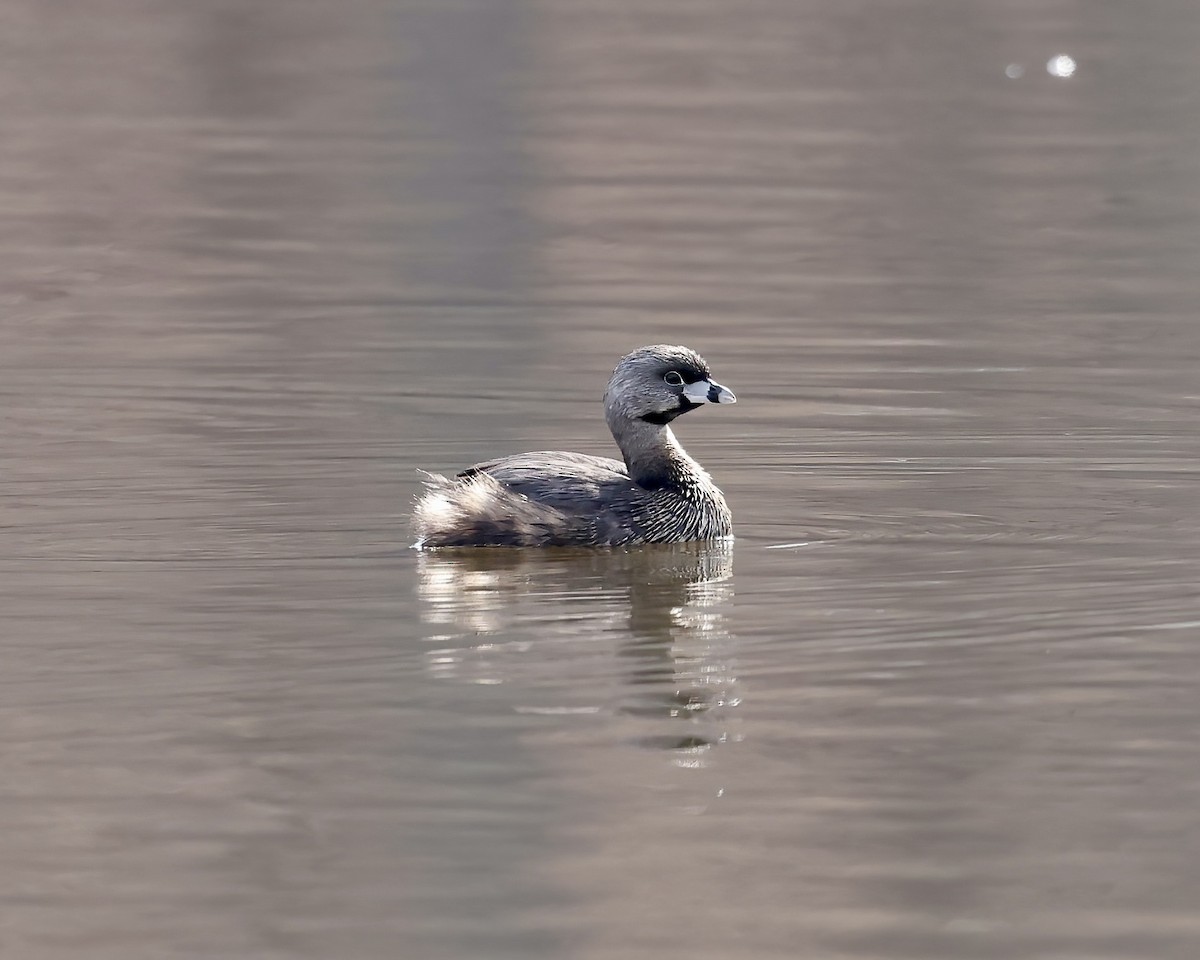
551	498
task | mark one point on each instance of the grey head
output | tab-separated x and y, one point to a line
656	384
648	389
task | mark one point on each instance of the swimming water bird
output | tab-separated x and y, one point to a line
552	498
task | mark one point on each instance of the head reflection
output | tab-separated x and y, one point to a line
639	634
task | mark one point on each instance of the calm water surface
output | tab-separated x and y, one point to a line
261	262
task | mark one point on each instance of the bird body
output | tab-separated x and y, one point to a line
658	494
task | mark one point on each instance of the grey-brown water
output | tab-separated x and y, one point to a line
262	261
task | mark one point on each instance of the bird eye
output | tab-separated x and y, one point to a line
673	377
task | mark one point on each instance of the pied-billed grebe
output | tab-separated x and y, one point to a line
551	498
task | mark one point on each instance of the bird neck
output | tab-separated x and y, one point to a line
653	457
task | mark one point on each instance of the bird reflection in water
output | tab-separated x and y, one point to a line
639	635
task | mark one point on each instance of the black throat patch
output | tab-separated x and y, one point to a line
666	416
